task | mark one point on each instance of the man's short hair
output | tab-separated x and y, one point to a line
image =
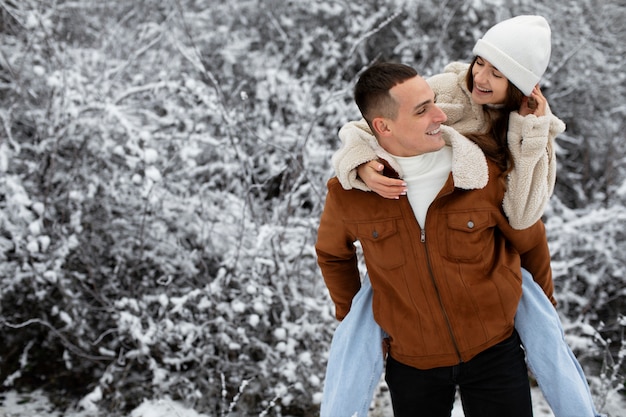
371	92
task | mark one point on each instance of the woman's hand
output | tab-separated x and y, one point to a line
371	174
535	104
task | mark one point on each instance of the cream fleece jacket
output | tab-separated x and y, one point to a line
531	140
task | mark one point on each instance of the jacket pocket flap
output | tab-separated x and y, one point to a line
376	230
468	221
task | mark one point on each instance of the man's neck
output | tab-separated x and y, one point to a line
425	175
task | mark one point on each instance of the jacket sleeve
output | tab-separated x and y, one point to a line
531	182
355	150
450	98
336	254
532	245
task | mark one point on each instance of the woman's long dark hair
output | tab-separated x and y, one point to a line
493	140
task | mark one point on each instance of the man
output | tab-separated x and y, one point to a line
443	261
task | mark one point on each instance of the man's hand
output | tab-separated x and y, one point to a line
371	174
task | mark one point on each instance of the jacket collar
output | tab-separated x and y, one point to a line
469	164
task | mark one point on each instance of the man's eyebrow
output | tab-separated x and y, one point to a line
423	103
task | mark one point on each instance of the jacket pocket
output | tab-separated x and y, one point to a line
469	234
381	243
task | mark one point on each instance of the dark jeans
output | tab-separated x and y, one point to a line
492	384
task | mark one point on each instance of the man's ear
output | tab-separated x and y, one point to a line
380	126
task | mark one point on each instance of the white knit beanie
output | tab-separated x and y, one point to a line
519	48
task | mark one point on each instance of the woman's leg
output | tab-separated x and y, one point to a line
552	362
355	362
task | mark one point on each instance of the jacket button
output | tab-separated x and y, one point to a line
470	224
375	234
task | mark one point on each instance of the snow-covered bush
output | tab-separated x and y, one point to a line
163	168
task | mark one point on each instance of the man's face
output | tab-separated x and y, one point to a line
416	128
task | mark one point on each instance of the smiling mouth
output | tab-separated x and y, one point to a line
434	132
482	90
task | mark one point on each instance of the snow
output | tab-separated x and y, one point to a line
118	135
36	404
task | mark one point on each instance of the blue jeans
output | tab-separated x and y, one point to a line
493	383
355	363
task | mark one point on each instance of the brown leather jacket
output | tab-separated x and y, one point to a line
444	293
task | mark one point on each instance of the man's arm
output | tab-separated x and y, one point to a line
336	254
532	245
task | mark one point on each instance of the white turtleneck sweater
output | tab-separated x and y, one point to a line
425	175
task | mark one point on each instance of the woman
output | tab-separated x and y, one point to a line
496	96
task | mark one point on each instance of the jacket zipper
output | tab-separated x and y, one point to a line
445	313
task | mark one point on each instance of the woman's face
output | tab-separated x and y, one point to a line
490	86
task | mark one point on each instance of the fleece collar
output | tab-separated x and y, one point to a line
469	164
